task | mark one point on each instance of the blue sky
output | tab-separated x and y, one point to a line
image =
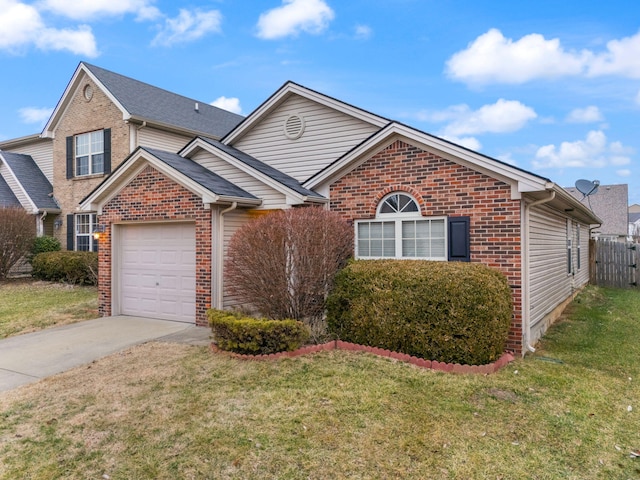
552	87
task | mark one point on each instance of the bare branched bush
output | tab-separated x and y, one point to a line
17	232
284	264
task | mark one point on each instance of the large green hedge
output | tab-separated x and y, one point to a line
445	311
66	266
255	336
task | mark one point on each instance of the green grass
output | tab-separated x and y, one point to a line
27	306
162	411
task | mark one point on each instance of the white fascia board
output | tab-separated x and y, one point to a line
292	197
30	206
519	180
292	89
65	100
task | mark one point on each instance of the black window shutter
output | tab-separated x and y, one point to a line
70	232
107	150
459	241
70	157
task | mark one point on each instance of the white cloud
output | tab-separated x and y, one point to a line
293	17
493	58
34	115
588	114
593	151
89	10
230	104
621	58
638	97
363	32
624	172
502	116
471	143
188	26
22	26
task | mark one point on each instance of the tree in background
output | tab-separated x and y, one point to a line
17	232
284	264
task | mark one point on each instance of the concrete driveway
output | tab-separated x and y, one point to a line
30	357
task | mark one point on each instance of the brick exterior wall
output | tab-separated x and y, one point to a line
441	188
152	197
84	116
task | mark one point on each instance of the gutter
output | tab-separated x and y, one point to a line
525	291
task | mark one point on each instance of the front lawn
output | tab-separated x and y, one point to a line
27	305
165	411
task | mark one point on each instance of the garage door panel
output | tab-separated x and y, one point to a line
158	271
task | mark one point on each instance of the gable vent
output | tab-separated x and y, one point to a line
294	126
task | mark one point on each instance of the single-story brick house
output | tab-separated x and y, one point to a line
166	217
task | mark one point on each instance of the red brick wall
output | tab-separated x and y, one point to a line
442	187
152	197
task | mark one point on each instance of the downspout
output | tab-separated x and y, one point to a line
220	255
526	296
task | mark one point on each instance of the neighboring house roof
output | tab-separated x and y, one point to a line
212	188
634	217
33	183
635	208
142	102
7	198
261	167
610	204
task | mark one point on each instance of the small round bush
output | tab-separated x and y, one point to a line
44	244
66	266
446	311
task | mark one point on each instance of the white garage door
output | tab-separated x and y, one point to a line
158	271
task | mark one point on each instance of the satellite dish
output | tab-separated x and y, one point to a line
587	187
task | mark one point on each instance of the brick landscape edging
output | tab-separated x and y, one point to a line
505	359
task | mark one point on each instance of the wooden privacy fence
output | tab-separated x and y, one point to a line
614	264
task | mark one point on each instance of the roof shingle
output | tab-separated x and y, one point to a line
36	185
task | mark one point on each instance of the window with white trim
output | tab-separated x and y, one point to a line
399	231
569	247
85	226
89	153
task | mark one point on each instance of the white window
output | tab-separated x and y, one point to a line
399	231
89	154
85	226
569	248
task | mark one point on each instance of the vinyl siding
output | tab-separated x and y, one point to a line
328	135
271	198
42	154
550	281
232	222
169	142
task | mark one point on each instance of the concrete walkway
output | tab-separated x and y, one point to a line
30	357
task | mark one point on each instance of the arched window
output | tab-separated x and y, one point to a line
399	231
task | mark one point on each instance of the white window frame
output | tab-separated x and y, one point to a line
91	149
84	229
398	219
569	234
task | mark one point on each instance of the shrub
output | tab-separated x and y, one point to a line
44	244
236	333
283	264
444	311
17	230
67	266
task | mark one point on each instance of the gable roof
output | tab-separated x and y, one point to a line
610	204
32	181
7	198
141	102
286	91
212	188
259	167
634	217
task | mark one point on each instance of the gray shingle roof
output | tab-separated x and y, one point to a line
155	104
634	217
211	181
7	198
265	169
31	178
610	204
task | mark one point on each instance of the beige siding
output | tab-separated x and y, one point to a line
42	153
16	188
161	140
271	198
328	135
232	221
